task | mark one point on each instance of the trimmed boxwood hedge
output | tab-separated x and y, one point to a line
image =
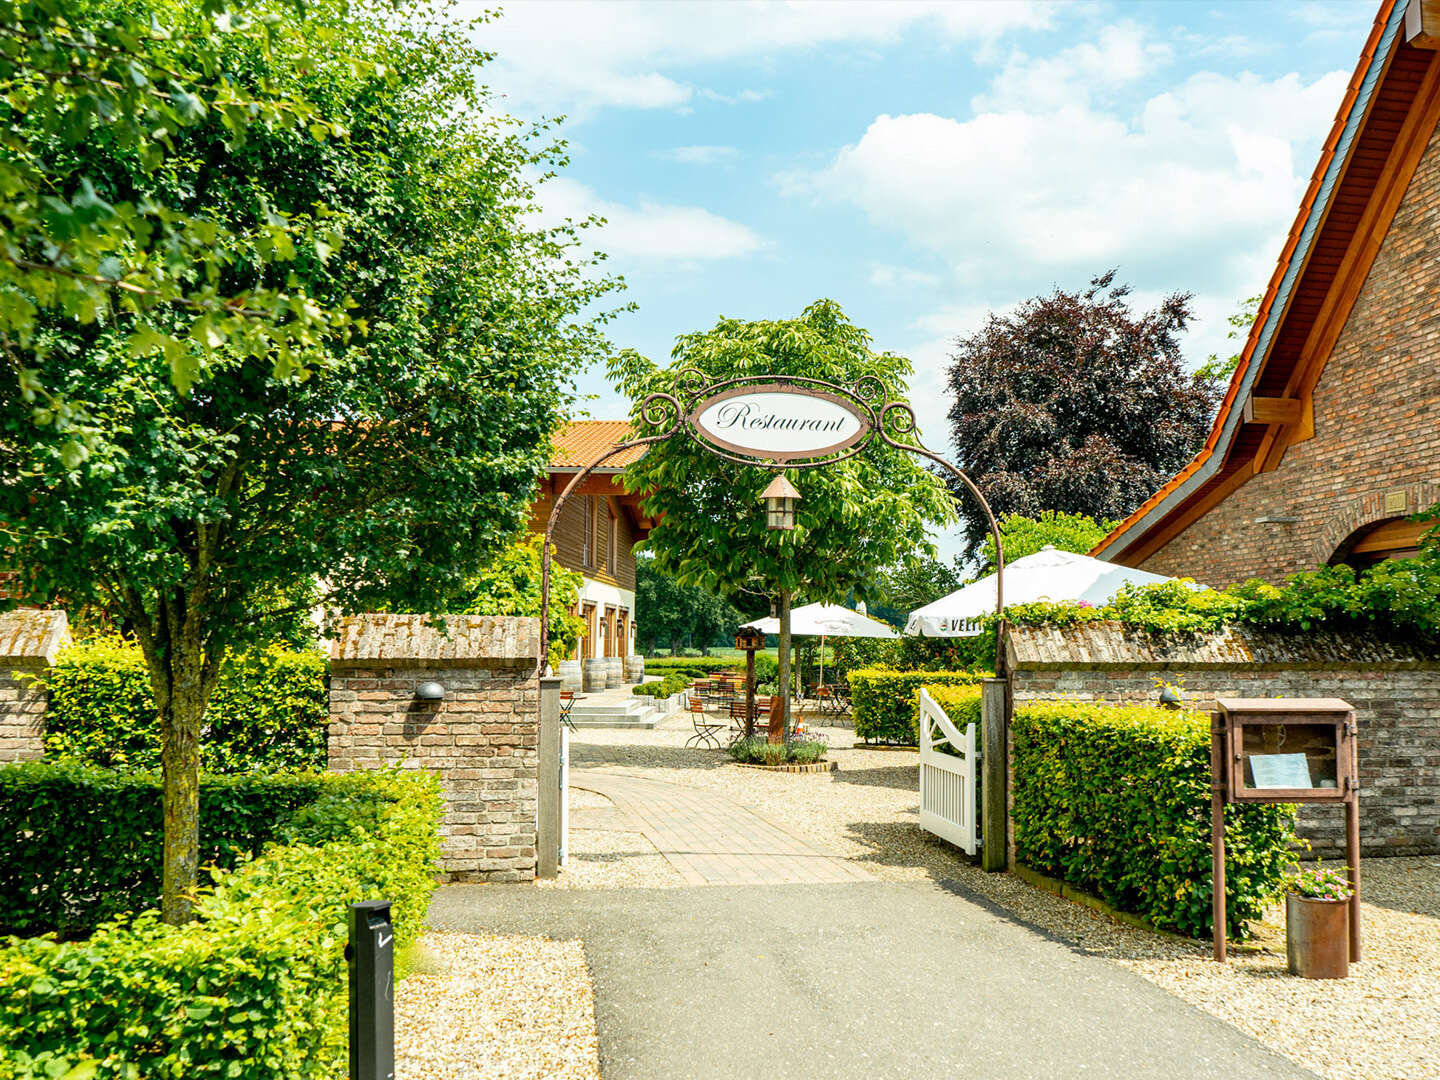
256	986
270	710
1116	800
696	667
80	845
671	684
885	703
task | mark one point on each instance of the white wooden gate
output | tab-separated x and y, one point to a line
948	795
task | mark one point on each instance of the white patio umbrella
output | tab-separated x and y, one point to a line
826	620
1049	574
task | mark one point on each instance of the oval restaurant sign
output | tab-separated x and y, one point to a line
776	422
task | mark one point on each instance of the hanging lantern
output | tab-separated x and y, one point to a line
780	499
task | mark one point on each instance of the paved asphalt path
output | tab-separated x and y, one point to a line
868	980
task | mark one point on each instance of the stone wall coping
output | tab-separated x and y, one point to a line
435	640
31	637
1114	646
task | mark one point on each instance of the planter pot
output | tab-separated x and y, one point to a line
1317	937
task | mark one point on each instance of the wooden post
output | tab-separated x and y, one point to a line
780	717
994	728
1217	831
749	693
547	825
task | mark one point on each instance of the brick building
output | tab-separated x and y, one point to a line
1329	435
598	528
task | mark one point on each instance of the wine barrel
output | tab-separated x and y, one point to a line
614	672
570	676
593	674
635	668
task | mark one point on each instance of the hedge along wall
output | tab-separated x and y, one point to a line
1394	686
256	987
270	710
1116	800
80	845
885	703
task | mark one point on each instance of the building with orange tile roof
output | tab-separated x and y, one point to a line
599	525
1329	438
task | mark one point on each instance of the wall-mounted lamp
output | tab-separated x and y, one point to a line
780	499
430	691
1170	698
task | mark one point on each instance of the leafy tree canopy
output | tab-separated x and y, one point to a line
853	517
671	613
1050	528
392	466
911	584
1218	371
1075	403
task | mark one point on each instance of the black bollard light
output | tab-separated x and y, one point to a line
371	953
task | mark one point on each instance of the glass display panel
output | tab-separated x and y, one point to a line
1279	756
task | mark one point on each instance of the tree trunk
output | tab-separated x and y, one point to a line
180	764
780	718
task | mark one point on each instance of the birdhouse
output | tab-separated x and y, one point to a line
748	639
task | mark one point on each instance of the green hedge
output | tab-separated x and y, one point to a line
961	705
270	710
671	684
696	667
80	845
885	705
256	987
1116	800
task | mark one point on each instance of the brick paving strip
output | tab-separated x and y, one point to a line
712	840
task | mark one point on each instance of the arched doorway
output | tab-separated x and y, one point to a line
1388	538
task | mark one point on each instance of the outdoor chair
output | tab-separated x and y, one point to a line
567	702
707	728
737	717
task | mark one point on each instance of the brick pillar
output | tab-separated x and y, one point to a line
29	640
481	738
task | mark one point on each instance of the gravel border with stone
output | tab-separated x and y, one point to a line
1379	1024
486	1007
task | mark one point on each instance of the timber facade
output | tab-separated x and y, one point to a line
596	533
1328	437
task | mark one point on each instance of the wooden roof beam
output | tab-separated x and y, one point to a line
1422	24
1272	410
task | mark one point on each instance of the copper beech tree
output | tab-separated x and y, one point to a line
219	473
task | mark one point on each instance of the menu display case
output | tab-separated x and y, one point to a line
1285	750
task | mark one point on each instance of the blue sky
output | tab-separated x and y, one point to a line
926	163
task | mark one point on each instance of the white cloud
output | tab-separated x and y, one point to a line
650	231
885	276
697	155
1203	176
1120	55
571	56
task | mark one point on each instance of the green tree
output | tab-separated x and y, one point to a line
392	468
510	585
913	583
1218	371
101	103
670	612
853	517
1050	528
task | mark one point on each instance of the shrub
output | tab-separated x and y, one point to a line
760	751
80	845
668	686
256	987
885	705
270	710
697	667
1116	800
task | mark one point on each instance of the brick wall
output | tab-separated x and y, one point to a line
1395	688
1377	421
481	739
29	640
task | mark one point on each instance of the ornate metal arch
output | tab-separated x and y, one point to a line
890	421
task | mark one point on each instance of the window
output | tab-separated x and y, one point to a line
587	540
612	535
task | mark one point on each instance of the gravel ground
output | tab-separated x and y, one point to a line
479	1007
1379	1024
